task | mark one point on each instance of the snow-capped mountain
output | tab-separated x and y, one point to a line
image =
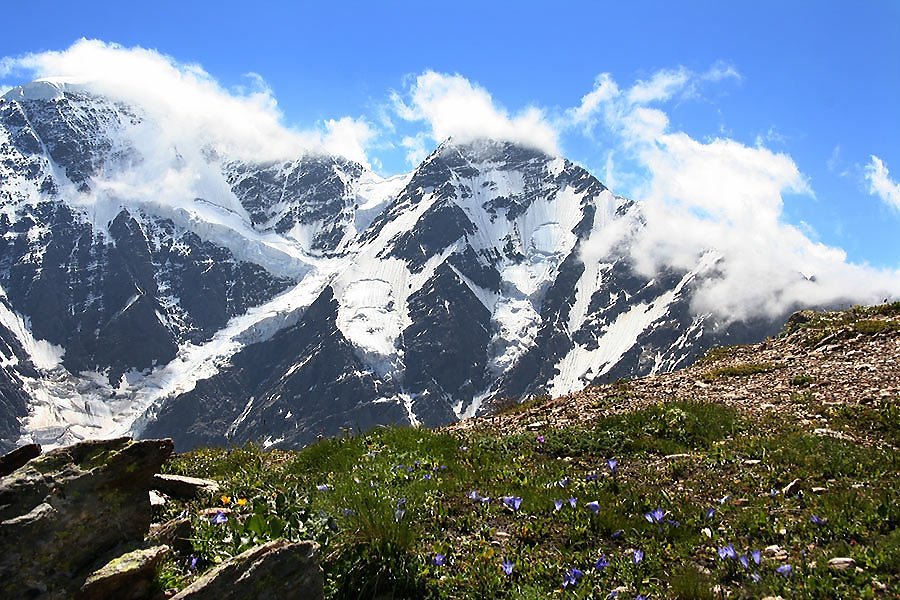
280	301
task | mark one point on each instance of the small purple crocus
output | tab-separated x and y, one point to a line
613	465
193	563
557	505
655	516
710	513
572	577
573	502
219	518
438	560
745	562
541	439
756	555
594	506
784	570
512	502
507	566
817	520
637	556
601	563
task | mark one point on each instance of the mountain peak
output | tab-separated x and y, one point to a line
44	89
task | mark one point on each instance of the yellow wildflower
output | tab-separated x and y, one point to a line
226	499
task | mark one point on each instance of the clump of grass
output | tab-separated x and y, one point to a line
802	381
739	370
719	353
874	326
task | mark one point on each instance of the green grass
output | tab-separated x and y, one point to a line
739	370
371	550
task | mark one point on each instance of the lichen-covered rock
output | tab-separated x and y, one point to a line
64	513
185	488
175	534
126	577
278	570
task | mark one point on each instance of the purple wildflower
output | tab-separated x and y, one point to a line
755	577
601	563
637	556
512	502
727	552
426	476
401	509
655	516
193	562
219	518
563	482
541	439
438	560
573	502
473	495
590	477
710	513
573	576
745	562
323	488
617	534
594	506
784	570
640	597
557	505
756	555
507	566
613	465
817	520
349	512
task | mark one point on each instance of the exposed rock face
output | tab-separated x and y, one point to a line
184	487
64	512
278	570
126	577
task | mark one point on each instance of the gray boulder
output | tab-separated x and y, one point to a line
278	570
68	511
126	577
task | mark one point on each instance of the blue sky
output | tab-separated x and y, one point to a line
817	82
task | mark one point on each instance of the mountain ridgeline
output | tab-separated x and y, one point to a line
282	301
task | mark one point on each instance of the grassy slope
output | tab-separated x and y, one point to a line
686	458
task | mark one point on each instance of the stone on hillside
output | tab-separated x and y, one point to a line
186	488
175	533
127	577
11	461
66	511
840	563
791	488
278	570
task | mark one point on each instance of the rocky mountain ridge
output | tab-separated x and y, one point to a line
184	292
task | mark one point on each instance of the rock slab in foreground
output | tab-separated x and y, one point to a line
126	577
64	513
186	488
278	570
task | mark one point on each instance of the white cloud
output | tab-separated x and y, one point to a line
661	86
724	196
605	89
453	106
881	184
187	104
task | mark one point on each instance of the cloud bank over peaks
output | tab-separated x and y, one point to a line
188	106
723	196
451	106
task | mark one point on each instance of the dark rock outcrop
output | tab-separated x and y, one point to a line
278	570
67	512
126	577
